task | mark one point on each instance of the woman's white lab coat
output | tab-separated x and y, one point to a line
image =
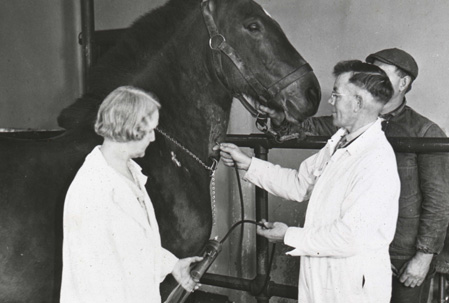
112	249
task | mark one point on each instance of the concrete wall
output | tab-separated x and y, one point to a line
40	74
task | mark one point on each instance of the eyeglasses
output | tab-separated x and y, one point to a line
335	96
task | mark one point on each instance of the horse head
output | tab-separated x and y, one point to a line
252	55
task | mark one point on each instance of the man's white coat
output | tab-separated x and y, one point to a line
350	219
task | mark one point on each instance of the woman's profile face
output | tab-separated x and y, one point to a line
139	146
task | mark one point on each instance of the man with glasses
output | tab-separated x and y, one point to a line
351	215
424	201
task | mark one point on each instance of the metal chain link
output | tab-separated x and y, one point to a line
213	200
211	169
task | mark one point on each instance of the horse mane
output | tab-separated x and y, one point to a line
128	58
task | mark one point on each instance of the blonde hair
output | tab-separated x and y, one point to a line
125	113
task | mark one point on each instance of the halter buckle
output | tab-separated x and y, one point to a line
261	122
213	167
215	44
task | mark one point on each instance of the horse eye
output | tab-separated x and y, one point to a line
253	27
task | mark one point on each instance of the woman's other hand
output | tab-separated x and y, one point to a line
181	272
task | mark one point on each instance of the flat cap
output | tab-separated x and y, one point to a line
398	58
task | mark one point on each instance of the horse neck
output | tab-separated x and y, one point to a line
143	40
195	105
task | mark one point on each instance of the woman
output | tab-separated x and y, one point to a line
112	248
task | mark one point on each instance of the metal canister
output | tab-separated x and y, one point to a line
209	254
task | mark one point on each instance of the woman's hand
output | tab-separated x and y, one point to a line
230	153
181	272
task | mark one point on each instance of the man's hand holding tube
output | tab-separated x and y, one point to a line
231	154
273	231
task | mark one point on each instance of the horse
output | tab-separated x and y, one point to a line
195	57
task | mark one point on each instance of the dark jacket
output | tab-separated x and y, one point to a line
424	201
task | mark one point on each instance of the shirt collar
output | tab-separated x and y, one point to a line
361	142
395	111
358	144
137	171
358	132
333	141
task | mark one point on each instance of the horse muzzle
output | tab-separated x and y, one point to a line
300	99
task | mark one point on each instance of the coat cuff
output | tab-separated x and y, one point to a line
294	237
167	263
430	245
427	250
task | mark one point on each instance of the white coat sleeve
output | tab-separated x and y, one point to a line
368	217
168	261
286	183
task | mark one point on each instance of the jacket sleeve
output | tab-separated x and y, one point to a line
314	126
434	182
168	261
367	222
290	184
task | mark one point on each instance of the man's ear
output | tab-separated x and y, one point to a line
404	83
359	103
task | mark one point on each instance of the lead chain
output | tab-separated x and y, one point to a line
213	199
211	169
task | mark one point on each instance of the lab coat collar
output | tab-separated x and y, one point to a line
123	196
365	140
333	141
97	158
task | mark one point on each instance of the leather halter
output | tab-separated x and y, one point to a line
218	44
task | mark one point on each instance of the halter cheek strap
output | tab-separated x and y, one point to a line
218	44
